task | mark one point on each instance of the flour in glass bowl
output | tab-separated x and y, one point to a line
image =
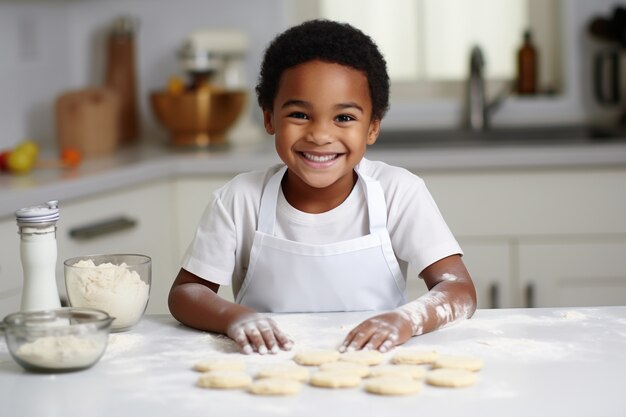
115	289
59	352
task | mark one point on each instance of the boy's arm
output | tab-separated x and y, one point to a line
194	302
451	297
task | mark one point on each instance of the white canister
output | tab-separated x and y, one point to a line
38	253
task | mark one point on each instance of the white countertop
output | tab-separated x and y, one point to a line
538	362
147	162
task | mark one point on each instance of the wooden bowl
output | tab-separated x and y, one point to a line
198	118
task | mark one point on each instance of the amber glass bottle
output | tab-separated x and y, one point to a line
527	61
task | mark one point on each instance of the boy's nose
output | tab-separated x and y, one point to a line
319	134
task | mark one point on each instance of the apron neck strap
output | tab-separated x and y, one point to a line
376	205
269	199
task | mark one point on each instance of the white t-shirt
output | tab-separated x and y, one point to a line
220	250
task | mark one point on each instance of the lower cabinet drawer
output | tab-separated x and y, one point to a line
134	220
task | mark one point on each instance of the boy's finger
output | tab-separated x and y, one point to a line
284	341
389	343
242	340
350	337
361	338
377	339
255	339
268	337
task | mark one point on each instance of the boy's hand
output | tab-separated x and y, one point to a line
256	333
380	332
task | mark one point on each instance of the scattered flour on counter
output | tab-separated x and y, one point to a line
574	315
494	325
527	349
120	343
220	343
509	349
326	336
60	351
113	288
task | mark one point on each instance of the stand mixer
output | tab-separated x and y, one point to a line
206	107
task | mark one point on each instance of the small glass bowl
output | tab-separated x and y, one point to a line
118	284
59	340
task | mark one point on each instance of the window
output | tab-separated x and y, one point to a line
426	42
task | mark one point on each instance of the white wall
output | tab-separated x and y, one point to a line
65	41
47	47
33	68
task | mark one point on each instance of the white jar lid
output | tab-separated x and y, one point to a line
43	213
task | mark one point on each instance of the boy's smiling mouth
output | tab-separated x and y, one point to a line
320	158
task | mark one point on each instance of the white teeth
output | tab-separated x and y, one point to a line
319	158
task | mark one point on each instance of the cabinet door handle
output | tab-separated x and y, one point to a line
494	296
102	228
529	294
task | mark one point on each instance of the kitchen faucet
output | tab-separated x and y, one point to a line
478	111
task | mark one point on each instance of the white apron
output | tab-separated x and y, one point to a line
358	274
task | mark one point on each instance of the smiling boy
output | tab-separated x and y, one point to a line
327	230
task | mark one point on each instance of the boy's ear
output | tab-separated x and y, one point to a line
373	131
268	121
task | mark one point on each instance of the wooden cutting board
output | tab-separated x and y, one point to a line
88	120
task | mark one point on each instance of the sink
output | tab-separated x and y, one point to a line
504	136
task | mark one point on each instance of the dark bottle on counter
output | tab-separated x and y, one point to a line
121	77
527	66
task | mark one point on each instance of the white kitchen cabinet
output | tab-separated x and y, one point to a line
191	195
130	220
11	276
558	235
519	203
489	264
573	274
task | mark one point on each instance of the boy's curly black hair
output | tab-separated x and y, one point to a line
327	41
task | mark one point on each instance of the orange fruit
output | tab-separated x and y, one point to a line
71	157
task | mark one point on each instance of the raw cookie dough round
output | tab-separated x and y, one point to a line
284	371
334	379
315	357
275	386
468	363
453	378
410	371
220	364
365	357
350	367
414	357
392	385
224	379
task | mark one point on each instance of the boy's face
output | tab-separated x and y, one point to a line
322	121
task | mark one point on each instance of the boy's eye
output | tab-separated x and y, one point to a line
298	115
344	118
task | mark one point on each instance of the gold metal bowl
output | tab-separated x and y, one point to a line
198	118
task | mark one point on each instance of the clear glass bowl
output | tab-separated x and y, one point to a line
118	284
59	340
